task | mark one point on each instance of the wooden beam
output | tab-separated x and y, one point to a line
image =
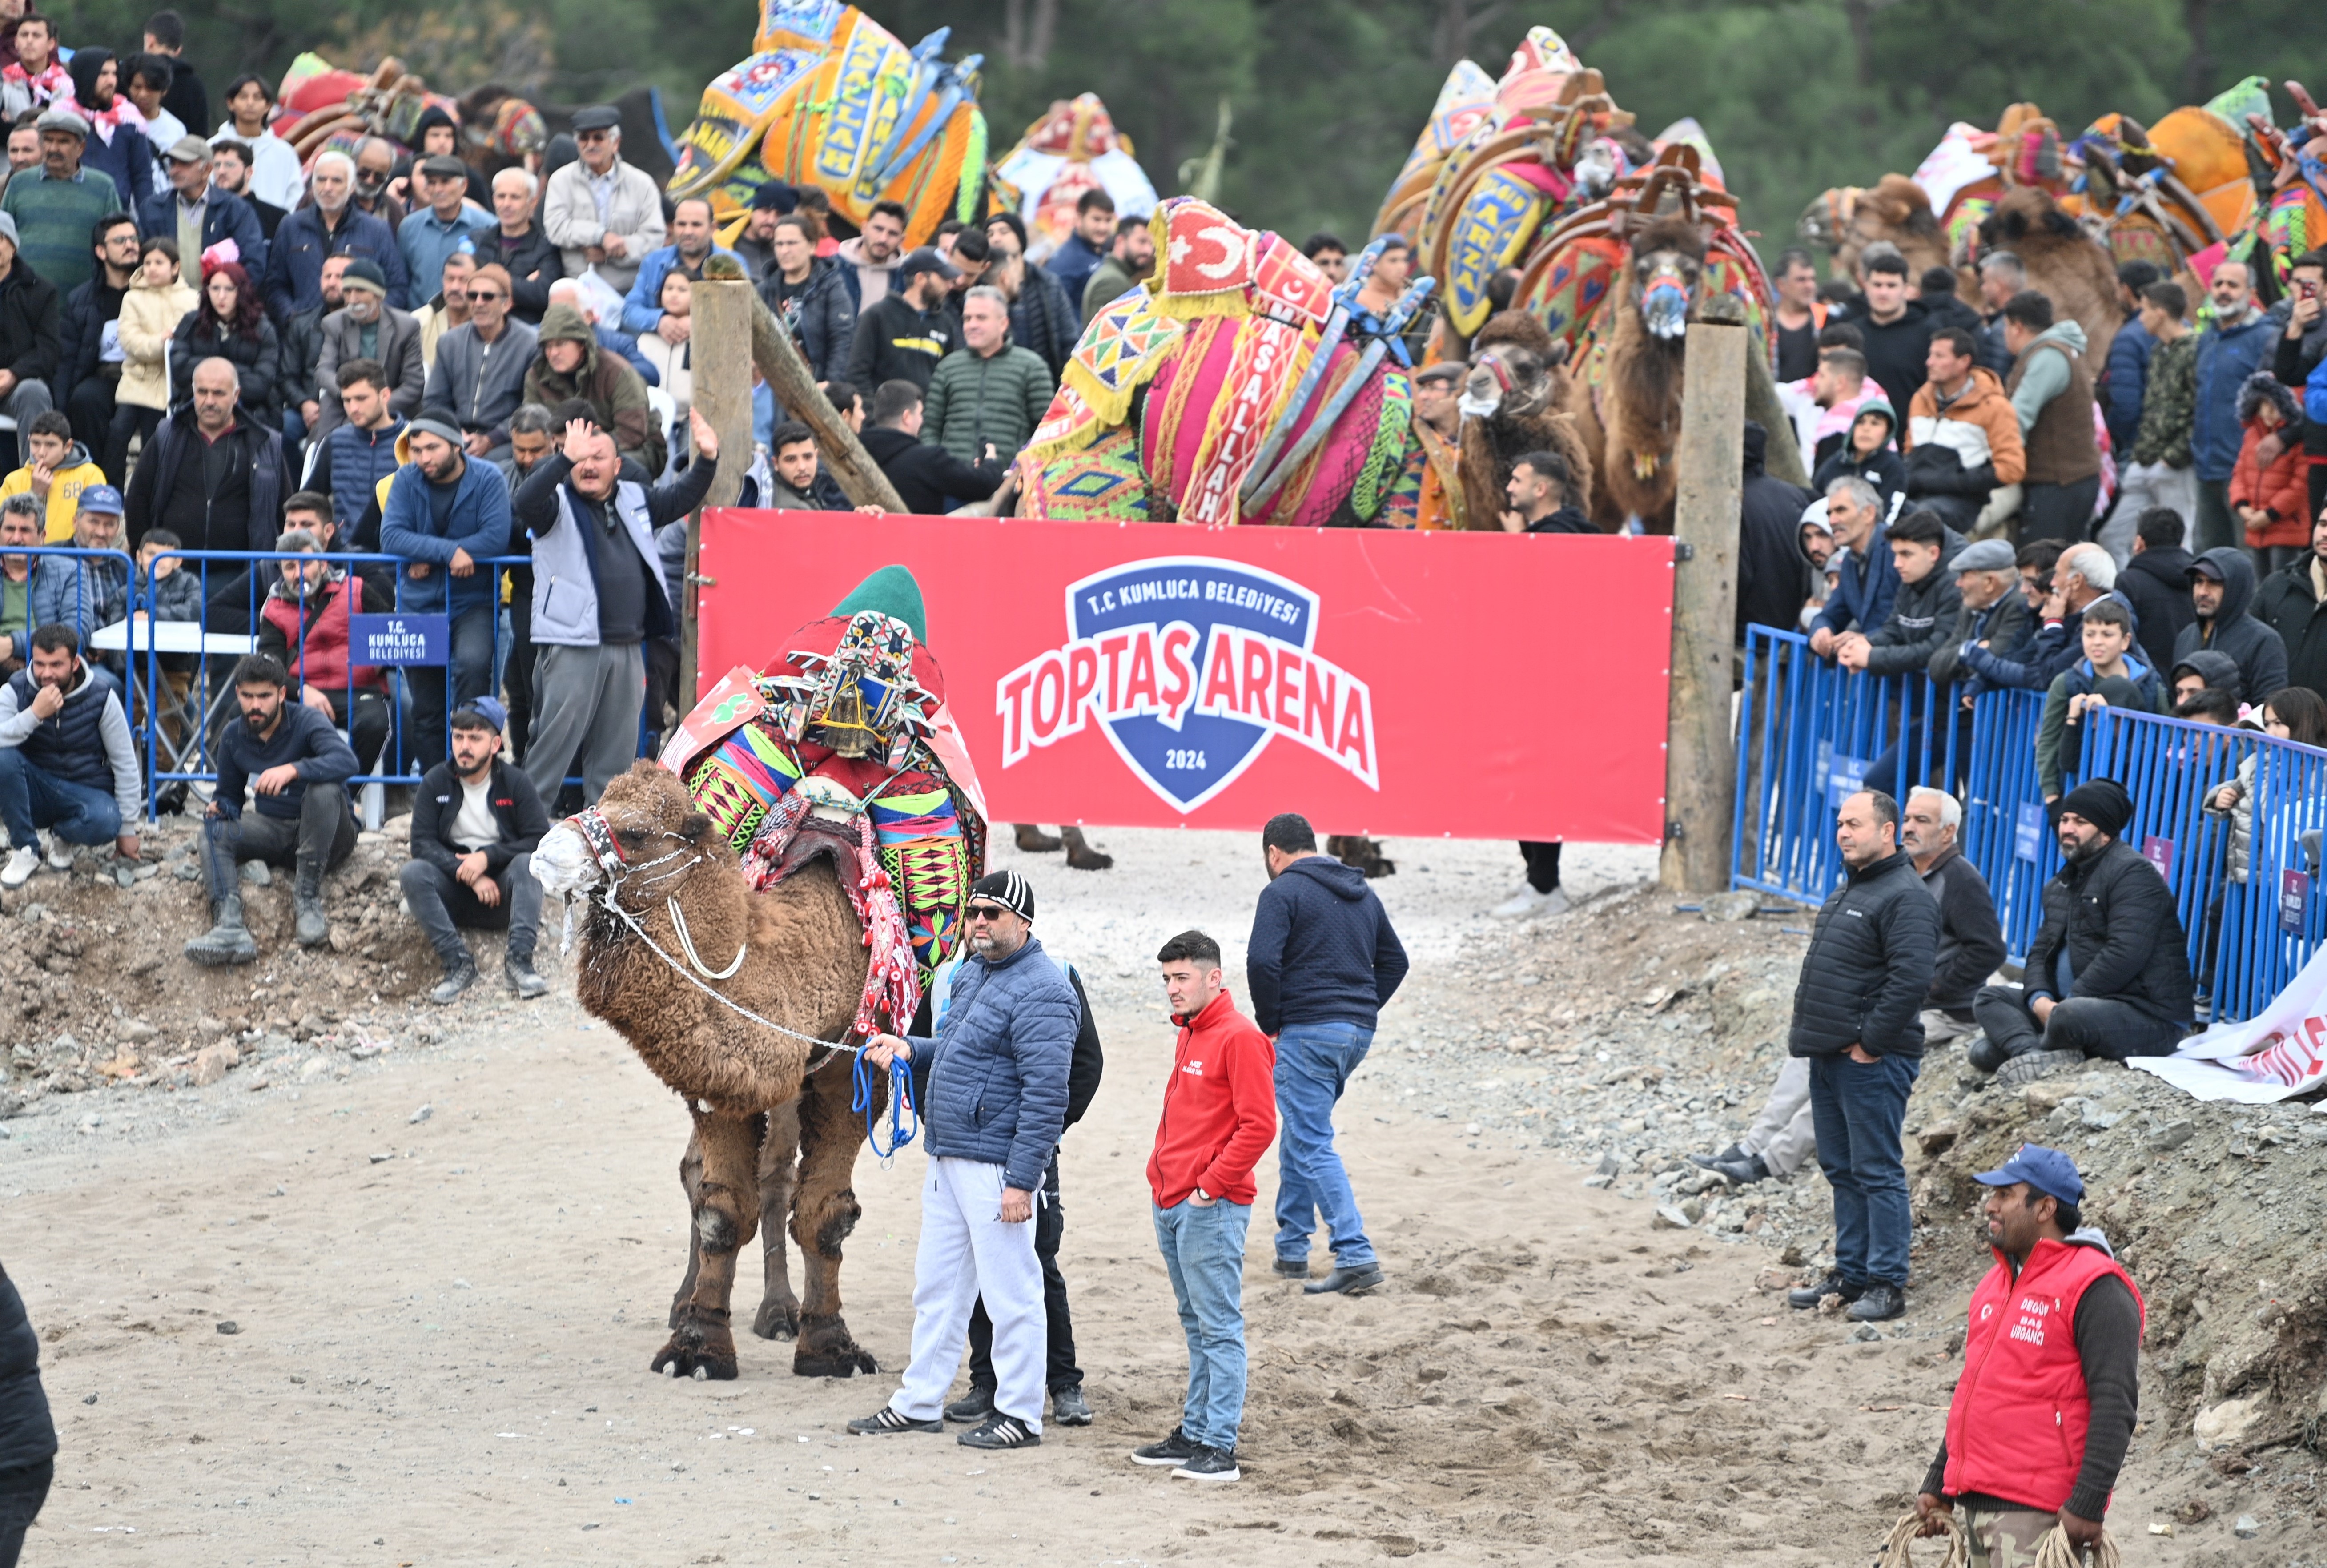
1783	457
1700	757
722	356
778	361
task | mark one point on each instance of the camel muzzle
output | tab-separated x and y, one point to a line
563	863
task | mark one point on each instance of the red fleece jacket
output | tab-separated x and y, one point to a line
1220	1109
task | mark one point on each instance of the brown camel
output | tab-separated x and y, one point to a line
1845	222
1519	373
756	1095
1631	421
2064	263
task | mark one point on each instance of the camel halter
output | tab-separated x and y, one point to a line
905	1115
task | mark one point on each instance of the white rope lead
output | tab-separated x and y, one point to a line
686	945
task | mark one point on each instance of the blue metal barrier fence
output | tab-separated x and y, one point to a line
1810	733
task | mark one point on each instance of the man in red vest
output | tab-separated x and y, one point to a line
2045	1407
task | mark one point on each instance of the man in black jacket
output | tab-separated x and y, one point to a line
926	476
1971	939
28	1436
1857	1017
476	821
2290	604
902	337
2300	346
1923	616
2221	591
212	475
1062	1374
2109	973
31	338
1773	580
520	245
2156	583
82	387
1321	964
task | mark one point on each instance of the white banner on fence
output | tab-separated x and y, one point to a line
2275	1055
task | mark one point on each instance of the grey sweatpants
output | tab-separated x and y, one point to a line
586	707
1782	1135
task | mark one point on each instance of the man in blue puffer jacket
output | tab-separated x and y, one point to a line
993	1092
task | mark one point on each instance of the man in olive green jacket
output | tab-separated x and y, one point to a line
986	392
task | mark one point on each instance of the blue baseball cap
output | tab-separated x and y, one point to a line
100	498
2046	1171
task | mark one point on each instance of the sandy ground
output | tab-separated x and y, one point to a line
443	1326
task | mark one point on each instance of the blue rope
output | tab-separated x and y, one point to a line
901	1105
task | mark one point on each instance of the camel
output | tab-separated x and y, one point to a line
1031	840
1632	418
1518	381
756	1095
2064	263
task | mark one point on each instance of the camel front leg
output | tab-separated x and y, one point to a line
823	1214
778	1314
726	1211
690	1182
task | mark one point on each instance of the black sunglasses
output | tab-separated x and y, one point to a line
987	912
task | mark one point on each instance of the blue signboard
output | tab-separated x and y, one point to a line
2028	831
2293	902
406	639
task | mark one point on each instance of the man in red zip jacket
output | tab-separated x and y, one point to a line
2046	1404
1219	1112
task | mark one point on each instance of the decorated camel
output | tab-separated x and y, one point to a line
1512	405
830	99
1072	149
785	880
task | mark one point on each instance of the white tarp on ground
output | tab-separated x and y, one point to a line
2275	1055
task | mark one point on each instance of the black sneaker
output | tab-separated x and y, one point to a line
1209	1464
1172	1451
974	1406
1714	1162
1002	1432
885	1421
1069	1408
1878	1304
1808	1298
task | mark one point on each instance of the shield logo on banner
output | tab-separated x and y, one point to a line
1192	761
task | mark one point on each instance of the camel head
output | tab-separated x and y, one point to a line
1667	272
1515	367
1846	219
644	814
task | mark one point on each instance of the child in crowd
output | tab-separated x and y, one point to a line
60	471
172	594
158	301
2270	487
2111	673
1871	454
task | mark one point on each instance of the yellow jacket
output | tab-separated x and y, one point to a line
72	476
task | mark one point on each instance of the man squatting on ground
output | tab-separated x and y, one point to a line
476	821
2045	1408
1219	1111
993	1089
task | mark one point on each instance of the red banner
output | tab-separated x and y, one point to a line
1475	686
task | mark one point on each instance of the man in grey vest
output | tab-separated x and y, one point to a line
598	594
67	761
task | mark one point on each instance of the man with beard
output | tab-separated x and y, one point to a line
230	166
330	226
67	762
299	765
444	513
475	822
2109	973
366	327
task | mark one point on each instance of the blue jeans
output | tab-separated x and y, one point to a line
1314	1064
1203	1252
1856	1108
31	798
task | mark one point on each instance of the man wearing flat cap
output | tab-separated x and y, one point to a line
56	206
198	215
2049	1393
992	1087
2109	973
601	212
434	230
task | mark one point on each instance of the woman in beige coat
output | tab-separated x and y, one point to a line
158	301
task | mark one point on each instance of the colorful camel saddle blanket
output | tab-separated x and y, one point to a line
847	736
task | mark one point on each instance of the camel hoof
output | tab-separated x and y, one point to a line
776	1321
670	1370
1033	840
701	1362
701	1373
843	1363
1090	860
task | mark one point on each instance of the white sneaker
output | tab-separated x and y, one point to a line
61	854
21	866
1527	904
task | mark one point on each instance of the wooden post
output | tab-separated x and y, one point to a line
721	341
777	360
1700	758
1782	457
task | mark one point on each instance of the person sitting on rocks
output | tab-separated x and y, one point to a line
299	766
67	762
475	822
2109	973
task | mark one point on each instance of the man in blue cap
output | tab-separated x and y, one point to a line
476	821
2046	1405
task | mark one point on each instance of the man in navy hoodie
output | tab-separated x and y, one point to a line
1321	964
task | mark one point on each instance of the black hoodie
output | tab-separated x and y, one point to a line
1774	578
1896	350
1321	949
27	1437
2158	581
2260	653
